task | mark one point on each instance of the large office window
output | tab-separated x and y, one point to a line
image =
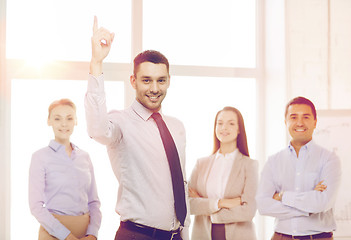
42	30
211	46
203	33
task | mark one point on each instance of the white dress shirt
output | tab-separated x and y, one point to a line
219	174
137	157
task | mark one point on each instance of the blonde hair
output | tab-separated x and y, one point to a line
63	101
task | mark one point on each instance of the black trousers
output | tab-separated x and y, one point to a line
218	232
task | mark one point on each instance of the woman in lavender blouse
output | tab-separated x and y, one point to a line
62	189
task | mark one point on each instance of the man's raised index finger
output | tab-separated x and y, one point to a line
95	26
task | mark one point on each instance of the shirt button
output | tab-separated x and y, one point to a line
298	174
297	189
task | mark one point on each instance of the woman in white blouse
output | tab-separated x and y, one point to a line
62	189
223	185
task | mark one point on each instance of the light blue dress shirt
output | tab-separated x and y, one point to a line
63	185
303	210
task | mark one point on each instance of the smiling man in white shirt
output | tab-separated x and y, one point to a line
146	201
299	184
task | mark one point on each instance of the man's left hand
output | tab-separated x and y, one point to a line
278	196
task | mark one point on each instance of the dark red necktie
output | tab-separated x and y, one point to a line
174	165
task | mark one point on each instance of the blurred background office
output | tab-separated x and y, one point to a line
253	54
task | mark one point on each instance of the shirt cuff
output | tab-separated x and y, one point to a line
216	206
62	233
288	199
96	84
92	231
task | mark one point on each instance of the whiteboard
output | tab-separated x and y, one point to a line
334	132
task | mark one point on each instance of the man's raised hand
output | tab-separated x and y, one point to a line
101	42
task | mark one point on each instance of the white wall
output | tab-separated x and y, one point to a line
319	51
340	56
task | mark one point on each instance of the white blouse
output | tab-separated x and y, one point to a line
219	174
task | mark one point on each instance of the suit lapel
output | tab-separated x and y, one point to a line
206	172
234	173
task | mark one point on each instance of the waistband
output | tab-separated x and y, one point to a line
314	236
150	231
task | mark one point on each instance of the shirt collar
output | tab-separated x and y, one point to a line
142	111
308	146
228	155
57	146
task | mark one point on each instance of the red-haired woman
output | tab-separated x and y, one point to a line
62	189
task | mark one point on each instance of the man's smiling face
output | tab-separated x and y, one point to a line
151	83
301	123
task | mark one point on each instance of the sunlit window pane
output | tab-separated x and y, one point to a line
43	30
208	33
29	132
196	100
